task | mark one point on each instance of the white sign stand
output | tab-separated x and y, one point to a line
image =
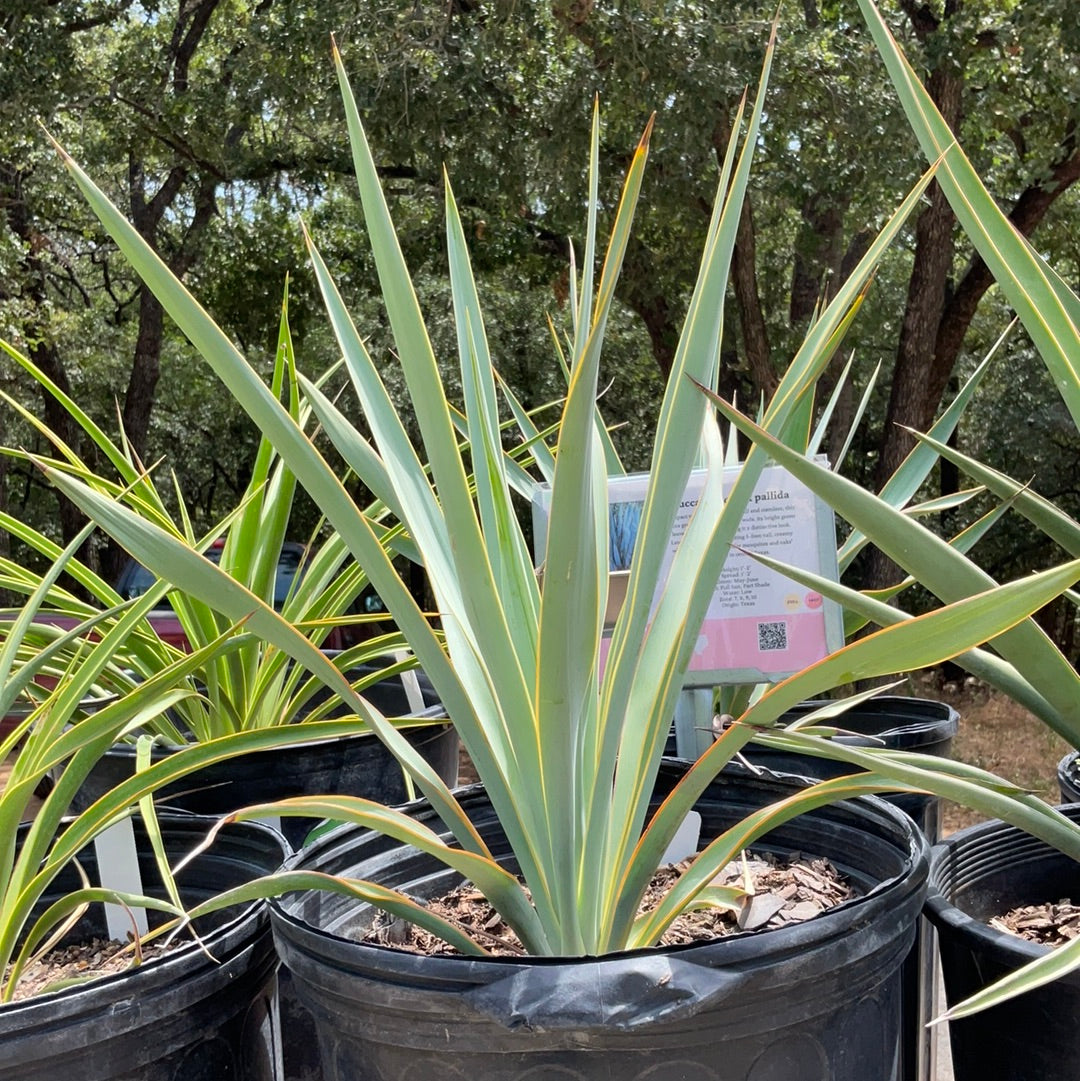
693	722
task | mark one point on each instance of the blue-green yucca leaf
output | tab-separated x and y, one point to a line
1058	962
983	663
916	643
357	452
1041	512
687	592
575	586
691	592
680	413
885	771
813	447
583	320
389	900
611	456
993	796
493	880
963	542
677	446
408	488
535	438
456	556
1048	309
722	850
445	532
273	419
172	560
476	591
512	564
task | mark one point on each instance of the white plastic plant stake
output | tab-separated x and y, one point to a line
685	842
118	868
410	683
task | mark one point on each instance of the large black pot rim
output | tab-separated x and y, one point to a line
226	944
1068	774
358	764
911	723
996	841
202	785
161	751
729	950
819	1001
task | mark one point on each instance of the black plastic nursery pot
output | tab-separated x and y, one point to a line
896	723
356	765
892	722
976	874
817	1001
1068	772
193	1014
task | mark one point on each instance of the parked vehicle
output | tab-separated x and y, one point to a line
135	580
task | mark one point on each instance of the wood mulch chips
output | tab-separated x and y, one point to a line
1051	924
78	963
788	890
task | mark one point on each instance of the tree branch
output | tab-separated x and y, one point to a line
200	12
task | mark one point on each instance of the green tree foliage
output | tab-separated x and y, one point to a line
215	122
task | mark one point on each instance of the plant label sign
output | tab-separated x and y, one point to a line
761	626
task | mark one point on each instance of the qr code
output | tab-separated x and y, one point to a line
771	636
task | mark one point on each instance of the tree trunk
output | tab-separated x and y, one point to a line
42	350
919	380
639	291
751	318
817	257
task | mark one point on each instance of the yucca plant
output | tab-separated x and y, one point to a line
568	756
251	685
73	709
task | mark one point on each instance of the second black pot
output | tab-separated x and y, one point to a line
979	873
896	723
892	722
191	1015
356	766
